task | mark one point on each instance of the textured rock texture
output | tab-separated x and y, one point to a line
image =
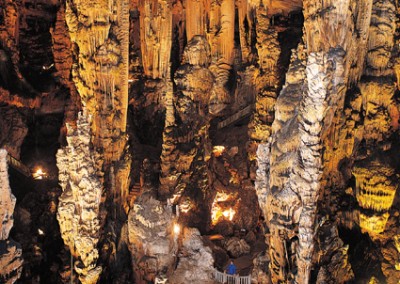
286	109
100	71
10	251
195	260
186	144
152	239
79	205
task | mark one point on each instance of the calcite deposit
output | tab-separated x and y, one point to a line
187	133
79	206
153	242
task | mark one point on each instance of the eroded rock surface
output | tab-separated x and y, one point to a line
79	204
152	239
10	251
195	260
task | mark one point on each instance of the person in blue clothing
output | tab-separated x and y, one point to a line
231	269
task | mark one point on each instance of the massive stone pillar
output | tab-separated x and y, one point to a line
79	204
296	159
99	32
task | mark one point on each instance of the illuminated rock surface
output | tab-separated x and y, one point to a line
266	131
78	210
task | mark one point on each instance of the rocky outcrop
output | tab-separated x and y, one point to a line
195	260
10	251
152	239
79	204
236	247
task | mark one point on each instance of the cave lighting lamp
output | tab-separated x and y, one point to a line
177	229
39	174
218	150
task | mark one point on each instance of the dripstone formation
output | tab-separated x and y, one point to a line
157	140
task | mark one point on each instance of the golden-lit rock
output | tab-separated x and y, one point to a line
156	37
100	30
374	224
376	185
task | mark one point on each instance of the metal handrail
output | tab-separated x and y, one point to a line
222	277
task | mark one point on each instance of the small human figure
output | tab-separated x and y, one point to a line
231	268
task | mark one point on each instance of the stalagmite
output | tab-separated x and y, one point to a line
79	205
152	240
294	189
194	82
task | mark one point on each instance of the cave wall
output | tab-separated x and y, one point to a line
160	82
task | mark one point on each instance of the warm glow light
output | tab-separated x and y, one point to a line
218	150
39	174
177	229
185	206
220	211
40	232
229	214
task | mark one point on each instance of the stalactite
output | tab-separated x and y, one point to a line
195	18
102	68
221	39
246	22
156	37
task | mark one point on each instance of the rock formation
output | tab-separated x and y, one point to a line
79	206
10	251
152	239
268	130
196	260
189	131
101	70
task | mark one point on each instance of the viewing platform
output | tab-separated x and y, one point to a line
222	277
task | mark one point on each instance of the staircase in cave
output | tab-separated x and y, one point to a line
18	166
133	194
245	112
